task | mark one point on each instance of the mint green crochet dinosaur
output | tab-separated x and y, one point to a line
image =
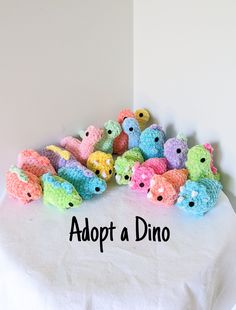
112	129
200	164
124	164
59	193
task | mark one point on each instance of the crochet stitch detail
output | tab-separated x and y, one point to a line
199	197
164	188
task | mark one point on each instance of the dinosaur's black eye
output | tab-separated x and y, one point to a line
191	204
87	134
97	172
148	190
126	177
203	160
140	114
97	189
141	184
115	174
110	171
131	129
70	204
159	198
28	194
109	131
178	151
156	139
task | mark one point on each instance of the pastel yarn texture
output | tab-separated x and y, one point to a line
197	198
152	141
120	144
124	164
23	185
124	114
199	164
133	131
101	164
112	129
164	188
58	156
143	117
143	172
82	149
175	151
84	180
32	161
59	193
80	168
210	148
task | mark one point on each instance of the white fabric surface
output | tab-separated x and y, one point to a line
41	269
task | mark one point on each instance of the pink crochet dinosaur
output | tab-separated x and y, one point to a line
143	172
82	149
32	161
23	185
210	148
164	188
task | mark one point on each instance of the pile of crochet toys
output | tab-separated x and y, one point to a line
137	155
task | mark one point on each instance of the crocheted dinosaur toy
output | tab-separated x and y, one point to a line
82	149
124	164
132	129
175	151
112	129
59	193
143	117
32	161
120	144
84	180
58	156
152	142
200	163
23	185
143	172
164	188
101	164
199	197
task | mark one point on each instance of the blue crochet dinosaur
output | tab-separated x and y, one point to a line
152	141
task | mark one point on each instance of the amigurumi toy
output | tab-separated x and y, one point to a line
102	164
120	144
124	114
164	188
175	151
23	185
211	150
112	129
132	129
142	173
32	161
198	197
152	142
58	156
143	117
124	164
200	163
59	193
82	149
84	180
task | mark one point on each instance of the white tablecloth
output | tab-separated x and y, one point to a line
41	269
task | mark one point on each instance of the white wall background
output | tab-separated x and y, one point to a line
63	66
185	72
